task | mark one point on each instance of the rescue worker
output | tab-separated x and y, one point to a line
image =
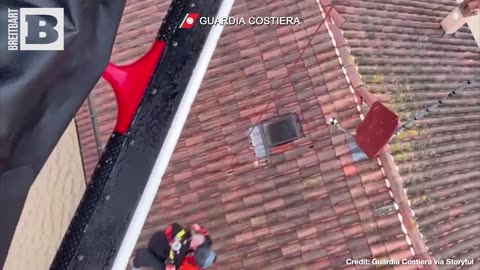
176	248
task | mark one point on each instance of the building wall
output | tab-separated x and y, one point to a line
50	205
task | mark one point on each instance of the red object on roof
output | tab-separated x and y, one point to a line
376	129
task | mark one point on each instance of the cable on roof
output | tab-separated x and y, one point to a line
290	71
432	108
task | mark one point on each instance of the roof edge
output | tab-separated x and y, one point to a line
392	176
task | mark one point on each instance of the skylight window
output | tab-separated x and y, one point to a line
275	132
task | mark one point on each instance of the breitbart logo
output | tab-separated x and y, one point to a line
35	29
189	20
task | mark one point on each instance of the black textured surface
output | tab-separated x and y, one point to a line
127	175
95	193
172	20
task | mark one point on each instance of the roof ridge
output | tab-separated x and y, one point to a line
385	160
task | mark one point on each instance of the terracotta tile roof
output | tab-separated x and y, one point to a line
407	62
317	202
312	205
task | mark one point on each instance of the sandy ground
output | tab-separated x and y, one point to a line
50	205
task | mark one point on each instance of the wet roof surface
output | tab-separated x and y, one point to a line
317	201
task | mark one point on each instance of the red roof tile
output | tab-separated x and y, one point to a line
275	213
